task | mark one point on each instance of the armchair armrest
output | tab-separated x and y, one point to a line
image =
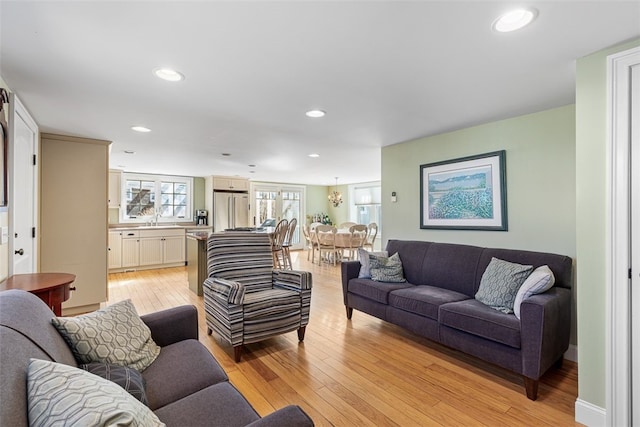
545	326
291	415
173	325
292	279
228	290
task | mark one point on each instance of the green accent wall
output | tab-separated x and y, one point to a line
591	201
540	157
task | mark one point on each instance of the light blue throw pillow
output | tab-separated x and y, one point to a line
500	283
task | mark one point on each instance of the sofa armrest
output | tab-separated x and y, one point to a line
173	325
292	279
288	416
545	326
350	270
228	290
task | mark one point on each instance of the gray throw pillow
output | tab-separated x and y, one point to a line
363	256
114	334
62	395
129	379
500	283
385	269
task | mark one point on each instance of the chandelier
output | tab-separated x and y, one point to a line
335	197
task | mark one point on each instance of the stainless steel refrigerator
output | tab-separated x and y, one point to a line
230	210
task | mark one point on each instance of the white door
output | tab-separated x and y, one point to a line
277	202
635	244
23	188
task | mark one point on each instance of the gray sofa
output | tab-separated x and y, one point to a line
437	302
185	385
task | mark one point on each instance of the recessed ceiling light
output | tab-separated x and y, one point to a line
129	152
314	155
315	113
168	74
252	166
140	129
226	154
514	20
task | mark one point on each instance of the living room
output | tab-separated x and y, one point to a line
556	169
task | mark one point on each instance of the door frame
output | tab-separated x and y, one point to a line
279	188
17	109
618	241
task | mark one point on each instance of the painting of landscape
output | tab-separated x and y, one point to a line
461	194
468	193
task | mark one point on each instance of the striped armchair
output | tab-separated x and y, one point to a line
245	299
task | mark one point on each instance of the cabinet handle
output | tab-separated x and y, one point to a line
19	251
72	288
131	234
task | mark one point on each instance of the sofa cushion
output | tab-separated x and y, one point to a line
179	370
423	300
386	269
363	256
59	394
377	291
476	318
539	281
114	334
228	407
500	283
128	378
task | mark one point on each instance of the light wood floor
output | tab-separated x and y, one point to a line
364	371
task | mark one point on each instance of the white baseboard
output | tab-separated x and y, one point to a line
572	353
589	414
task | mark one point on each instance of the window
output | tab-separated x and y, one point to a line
366	205
155	197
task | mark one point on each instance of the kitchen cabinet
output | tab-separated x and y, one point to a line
152	248
130	249
115	189
115	249
74	181
230	184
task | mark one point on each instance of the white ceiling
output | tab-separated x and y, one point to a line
385	72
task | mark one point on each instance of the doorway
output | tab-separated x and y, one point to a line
271	203
23	188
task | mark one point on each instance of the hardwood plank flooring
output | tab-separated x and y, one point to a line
363	371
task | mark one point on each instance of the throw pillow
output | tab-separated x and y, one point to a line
500	283
59	394
114	334
541	280
363	256
127	378
385	269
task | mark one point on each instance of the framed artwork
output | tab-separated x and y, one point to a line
469	193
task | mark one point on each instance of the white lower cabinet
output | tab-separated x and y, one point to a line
115	249
151	248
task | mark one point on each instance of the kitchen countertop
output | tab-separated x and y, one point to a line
119	227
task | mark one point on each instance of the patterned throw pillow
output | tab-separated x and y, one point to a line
541	280
127	378
385	269
62	395
500	283
363	256
114	334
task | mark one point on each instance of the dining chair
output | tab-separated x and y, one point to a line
346	225
309	242
288	242
325	237
277	241
358	237
371	236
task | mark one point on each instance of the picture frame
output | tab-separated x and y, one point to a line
469	193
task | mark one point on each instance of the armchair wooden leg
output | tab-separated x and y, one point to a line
349	312
237	353
531	386
301	332
209	331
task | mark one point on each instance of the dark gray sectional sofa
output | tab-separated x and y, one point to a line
185	385
437	302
